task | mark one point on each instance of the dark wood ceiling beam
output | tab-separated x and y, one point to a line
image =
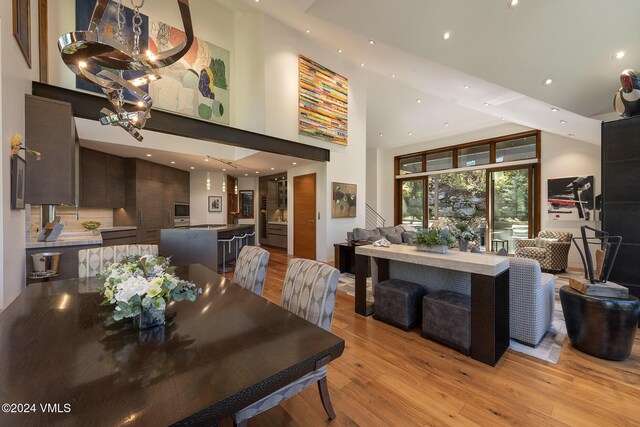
88	106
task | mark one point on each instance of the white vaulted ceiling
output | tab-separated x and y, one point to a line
503	54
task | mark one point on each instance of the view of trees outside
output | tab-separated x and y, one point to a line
413	203
463	194
511	205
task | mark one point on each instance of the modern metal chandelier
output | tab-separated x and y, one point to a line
104	64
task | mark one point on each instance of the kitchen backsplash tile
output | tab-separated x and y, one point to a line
68	218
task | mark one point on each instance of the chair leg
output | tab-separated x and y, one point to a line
323	388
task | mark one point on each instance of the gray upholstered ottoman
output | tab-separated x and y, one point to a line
398	303
446	318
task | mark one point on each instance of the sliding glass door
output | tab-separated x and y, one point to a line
511	207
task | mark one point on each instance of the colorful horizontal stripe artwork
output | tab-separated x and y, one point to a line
322	103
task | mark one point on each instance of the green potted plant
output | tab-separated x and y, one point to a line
463	232
434	239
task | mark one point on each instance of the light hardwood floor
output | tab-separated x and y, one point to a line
390	377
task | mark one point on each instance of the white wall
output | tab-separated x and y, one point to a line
560	157
15	81
282	45
199	203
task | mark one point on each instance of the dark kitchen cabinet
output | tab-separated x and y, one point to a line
182	190
150	196
169	197
50	129
102	180
115	178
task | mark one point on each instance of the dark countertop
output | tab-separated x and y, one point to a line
220	227
111	229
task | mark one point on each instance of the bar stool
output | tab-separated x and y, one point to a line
239	238
247	235
225	248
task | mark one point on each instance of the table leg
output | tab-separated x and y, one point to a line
489	317
361	305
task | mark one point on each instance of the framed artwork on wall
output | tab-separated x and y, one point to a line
22	27
215	203
343	200
571	199
18	172
323	102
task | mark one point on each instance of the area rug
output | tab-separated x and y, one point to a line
549	348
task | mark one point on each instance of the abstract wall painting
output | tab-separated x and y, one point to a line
198	84
322	102
570	199
343	200
108	30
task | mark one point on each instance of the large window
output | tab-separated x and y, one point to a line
498	195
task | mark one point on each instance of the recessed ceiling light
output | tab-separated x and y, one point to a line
409	134
246	174
547	81
339	50
257	1
393	76
466	86
418	100
564	122
380	134
362	64
372	42
513	3
619	55
446	35
294	163
503	118
192	167
273	168
308	31
257	172
486	104
173	163
148	155
446	124
224	170
554	109
206	159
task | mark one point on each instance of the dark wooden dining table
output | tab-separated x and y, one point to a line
215	356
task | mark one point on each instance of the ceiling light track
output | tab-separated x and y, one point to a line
225	162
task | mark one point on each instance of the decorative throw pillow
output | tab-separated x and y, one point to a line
364	234
409	228
386	230
395	238
407	237
541	242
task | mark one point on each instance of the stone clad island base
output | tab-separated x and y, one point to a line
485	277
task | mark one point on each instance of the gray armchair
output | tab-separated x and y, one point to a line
310	292
531	301
553	257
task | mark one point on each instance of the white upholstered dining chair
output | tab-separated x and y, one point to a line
251	269
310	292
95	260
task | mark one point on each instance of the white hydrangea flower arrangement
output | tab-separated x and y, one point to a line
141	283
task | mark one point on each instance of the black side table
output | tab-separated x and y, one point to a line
345	258
599	326
494	244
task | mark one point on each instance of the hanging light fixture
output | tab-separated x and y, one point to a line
224	183
95	61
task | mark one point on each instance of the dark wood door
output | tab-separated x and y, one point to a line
92	178
232	197
304	216
115	180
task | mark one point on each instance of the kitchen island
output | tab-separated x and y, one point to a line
484	277
201	243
